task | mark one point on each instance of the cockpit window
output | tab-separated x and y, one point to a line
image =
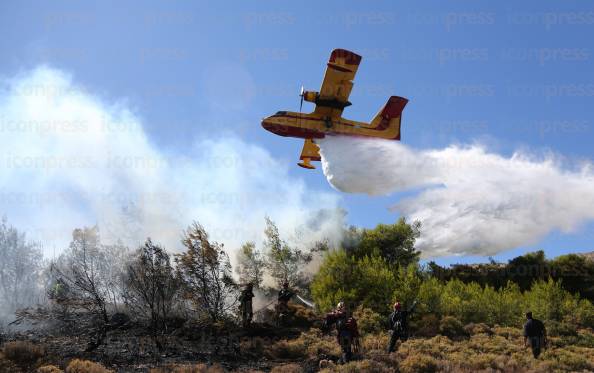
281	113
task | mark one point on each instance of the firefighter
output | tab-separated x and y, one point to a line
282	306
398	324
535	333
346	328
245	300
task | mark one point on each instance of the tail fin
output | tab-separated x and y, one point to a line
390	115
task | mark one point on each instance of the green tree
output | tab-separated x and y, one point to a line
393	242
525	269
408	283
377	281
366	282
546	299
576	274
335	281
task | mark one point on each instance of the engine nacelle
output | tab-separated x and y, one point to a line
310	96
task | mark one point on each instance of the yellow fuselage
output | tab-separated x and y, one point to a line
317	125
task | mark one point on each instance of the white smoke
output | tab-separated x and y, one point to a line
469	201
69	158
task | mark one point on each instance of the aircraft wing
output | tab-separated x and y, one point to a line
338	82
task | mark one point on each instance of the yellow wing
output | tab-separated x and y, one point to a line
338	83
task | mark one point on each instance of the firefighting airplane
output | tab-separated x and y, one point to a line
327	118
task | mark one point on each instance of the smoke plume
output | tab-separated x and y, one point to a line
70	158
469	201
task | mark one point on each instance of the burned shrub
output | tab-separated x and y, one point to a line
23	353
87	271
205	272
150	285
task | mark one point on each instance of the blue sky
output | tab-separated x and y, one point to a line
510	75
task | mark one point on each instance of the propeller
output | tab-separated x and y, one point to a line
301	95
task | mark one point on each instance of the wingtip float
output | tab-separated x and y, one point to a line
326	119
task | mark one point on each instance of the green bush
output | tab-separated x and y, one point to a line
556	328
408	284
368	281
373	283
451	327
369	321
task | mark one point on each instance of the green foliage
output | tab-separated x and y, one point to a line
451	327
575	272
408	284
376	280
335	281
393	242
429	297
548	300
373	283
369	321
525	269
364	281
557	328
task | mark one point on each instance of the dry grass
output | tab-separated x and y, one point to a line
49	369
86	366
197	368
286	349
22	353
484	349
365	365
312	344
287	368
